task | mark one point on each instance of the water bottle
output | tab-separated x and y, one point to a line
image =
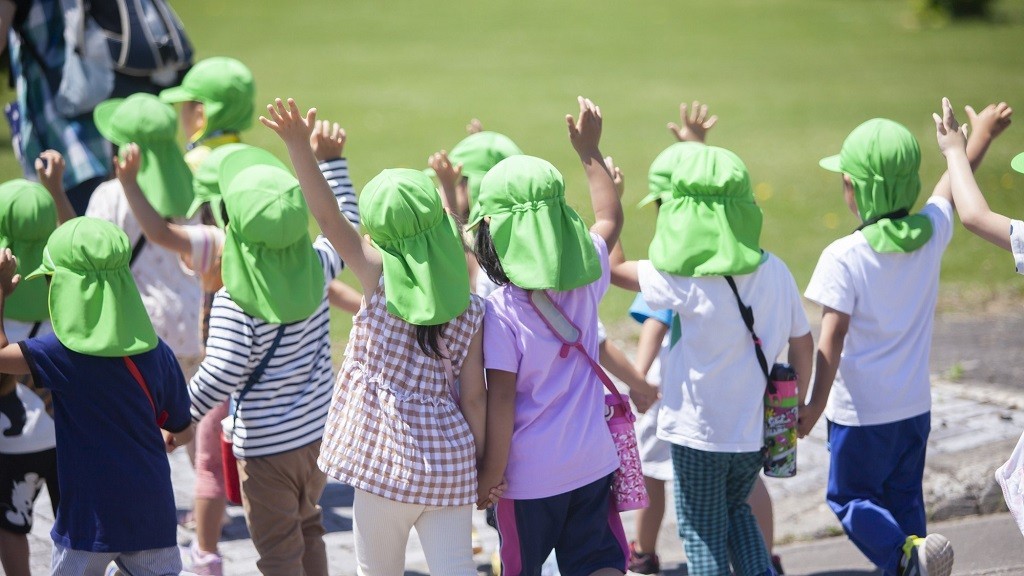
781	410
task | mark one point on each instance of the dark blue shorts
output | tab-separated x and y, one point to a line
582	526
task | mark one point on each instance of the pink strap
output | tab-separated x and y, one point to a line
448	371
551	314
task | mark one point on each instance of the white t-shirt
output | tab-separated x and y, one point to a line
1017	244
890	297
38	433
712	389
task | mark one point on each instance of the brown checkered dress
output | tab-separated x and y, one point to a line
393	429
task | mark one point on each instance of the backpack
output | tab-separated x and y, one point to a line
145	38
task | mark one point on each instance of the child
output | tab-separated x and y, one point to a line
119	403
558	495
406	424
878	287
27	441
712	382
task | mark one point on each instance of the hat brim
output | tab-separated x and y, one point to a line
103	117
1018	163
166	179
830	163
649	199
178	94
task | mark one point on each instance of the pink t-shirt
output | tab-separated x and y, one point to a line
560	441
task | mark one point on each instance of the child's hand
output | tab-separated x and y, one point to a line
952	137
617	178
991	121
288	122
50	169
474	126
9	277
644	398
488	497
585	132
327	140
127	168
809	414
170	444
447	174
695	124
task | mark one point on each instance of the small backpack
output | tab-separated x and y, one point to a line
146	39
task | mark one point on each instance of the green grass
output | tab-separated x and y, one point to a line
789	79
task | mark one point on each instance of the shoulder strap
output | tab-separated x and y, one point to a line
748	318
449	372
565	330
134	370
137	249
258	371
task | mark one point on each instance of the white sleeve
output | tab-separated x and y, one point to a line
656	288
1017	244
207	245
940	212
831	284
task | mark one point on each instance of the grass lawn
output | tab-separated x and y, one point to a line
788	78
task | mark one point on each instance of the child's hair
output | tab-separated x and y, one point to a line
428	336
487	256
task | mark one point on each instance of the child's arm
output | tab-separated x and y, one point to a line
648	346
159	231
473	391
295	130
173	440
12	359
962	157
585	135
50	170
343	296
834	326
801	358
449	177
501	415
640	392
696	124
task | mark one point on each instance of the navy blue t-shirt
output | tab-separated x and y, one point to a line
112	468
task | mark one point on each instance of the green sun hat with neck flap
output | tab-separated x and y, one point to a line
27	218
425	276
659	177
1018	163
227	90
206	182
95	306
711	226
269	266
478	153
164	177
541	242
882	159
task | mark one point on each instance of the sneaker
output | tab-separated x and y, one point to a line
205	563
777	564
930	556
112	570
643	562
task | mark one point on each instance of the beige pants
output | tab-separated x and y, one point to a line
382	526
279	496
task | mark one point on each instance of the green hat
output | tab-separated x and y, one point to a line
541	242
95	305
882	159
478	153
659	177
27	218
269	266
711	226
206	182
425	276
226	88
142	118
1018	163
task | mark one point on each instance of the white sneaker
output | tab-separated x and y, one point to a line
205	563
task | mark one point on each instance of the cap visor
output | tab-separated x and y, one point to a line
177	94
650	198
197	203
42	270
830	163
103	117
1018	163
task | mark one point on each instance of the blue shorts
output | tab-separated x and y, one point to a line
582	526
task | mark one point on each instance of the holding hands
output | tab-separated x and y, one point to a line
696	123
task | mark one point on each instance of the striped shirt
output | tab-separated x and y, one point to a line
287	408
336	173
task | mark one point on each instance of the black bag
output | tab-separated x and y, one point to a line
145	37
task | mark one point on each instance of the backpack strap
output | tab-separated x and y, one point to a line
748	318
137	249
161	417
257	373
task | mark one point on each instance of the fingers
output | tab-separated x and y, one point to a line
674	129
948	120
938	124
710	123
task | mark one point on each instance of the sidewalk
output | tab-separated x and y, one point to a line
974	428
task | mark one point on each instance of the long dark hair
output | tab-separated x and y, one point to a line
428	336
487	256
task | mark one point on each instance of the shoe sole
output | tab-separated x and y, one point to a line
936	556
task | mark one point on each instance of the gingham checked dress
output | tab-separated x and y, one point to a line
394	429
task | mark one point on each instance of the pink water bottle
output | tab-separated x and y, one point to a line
781	410
628	487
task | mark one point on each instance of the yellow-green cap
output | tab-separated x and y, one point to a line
227	90
27	218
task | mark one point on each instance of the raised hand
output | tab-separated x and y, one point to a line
9	277
50	169
617	178
991	121
447	174
695	124
474	126
127	166
951	136
327	140
585	131
289	124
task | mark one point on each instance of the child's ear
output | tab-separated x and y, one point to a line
850	196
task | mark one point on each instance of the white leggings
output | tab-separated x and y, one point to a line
382	526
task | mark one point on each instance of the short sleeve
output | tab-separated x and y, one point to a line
940	212
40	354
207	244
655	288
798	322
602	334
1017	244
641	312
176	401
329	258
500	349
831	284
600	286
